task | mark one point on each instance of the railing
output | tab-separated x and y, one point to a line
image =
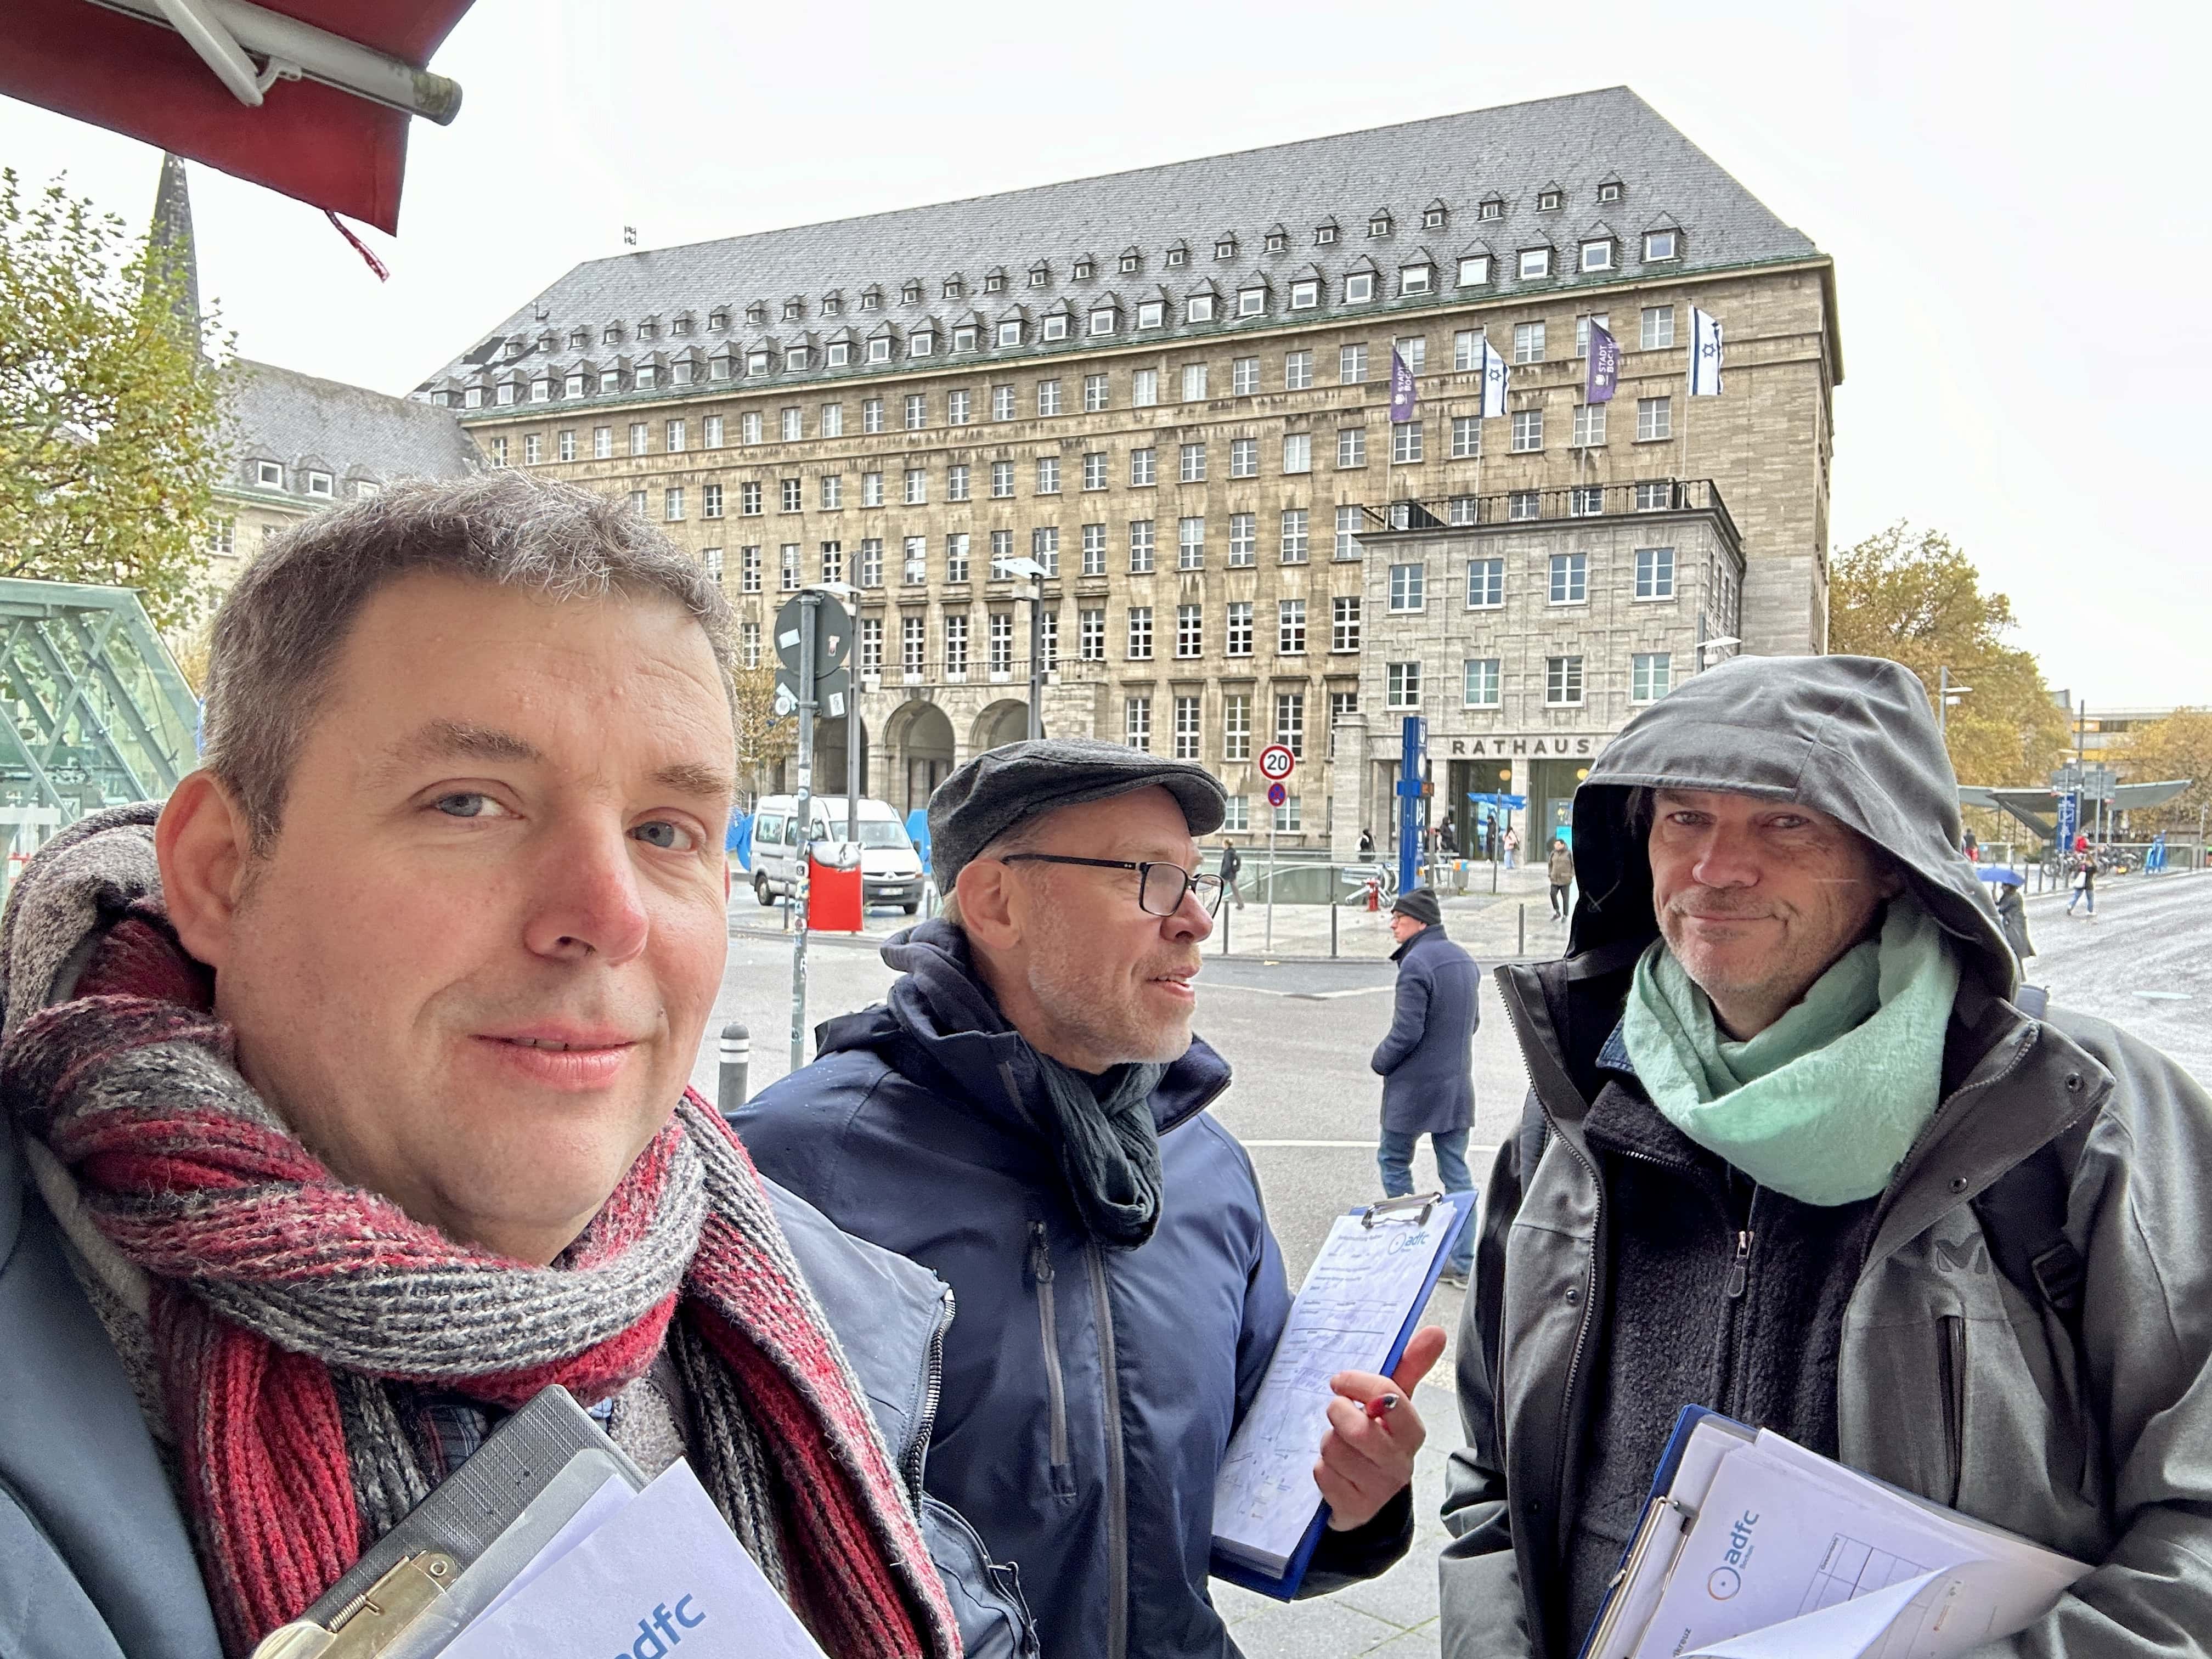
1537	506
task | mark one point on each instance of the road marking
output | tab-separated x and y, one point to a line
2168	996
1351	1145
1305	996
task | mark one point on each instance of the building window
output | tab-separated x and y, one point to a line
1194	383
1523	504
1597	255
1359	288
1586	501
1486	584
833	561
1002	481
752	644
1461	510
1048	637
1244	458
1347	525
1473	270
1290	627
1402	685
1140	632
1152	313
1243	376
1243	538
1047	398
1002	403
787	573
1192	462
911	646
1091	635
749	427
1590	426
917	412
1654	573
956	487
792	427
1466	438
639	434
1094	469
959	408
1415	279
1093	549
1297	453
1408	588
749	569
1344	622
533	451
1650	673
872	563
1295	536
1528	431
1096	395
1658	331
1480	688
1236	728
872	645
1414	352
1582	331
1055	325
1286	816
1186	728
1406	441
872	489
671	503
998	643
1655	419
1527	343
1190	543
1190	630
1047	475
956	556
833	492
1297	370
710	500
1141	546
789	495
1237	641
603	442
1143	466
1199	309
955	646
1570	578
1144	388
1563	682
1352	446
1104	320
1351	364
1662	245
1535	262
1655	496
1291	722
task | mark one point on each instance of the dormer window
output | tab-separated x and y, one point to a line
879	349
648	329
1415	279
1056	326
795	360
1104	319
910	294
573	386
792	310
681	371
757	314
1277	241
1379	225
319	484
611	334
1084	270
545	341
756	362
578	338
1199	309
871	299
1597	253
681	327
472	399
995	282
832	304
1662	245
1040	274
1433	215
838	354
1010	332
1225	247
515	348
1473	270
1535	262
1325	232
541	389
270	475
1493	207
1179	254
954	287
722	365
922	342
1131	262
1152	313
963	337
1306	294
718	321
505	392
644	380
1548	201
1609	191
1359	288
1251	302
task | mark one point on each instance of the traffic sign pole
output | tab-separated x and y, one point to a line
1277	762
809	605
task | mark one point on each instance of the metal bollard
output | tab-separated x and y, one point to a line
1521	949
737	1061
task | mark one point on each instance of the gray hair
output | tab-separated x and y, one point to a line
280	629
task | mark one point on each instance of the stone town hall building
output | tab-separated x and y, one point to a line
1171	387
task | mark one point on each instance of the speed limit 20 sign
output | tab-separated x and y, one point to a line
1277	762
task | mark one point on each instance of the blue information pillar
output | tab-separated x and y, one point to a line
1415	752
2069	820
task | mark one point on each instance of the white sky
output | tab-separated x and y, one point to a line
2014	196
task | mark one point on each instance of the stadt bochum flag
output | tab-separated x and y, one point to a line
1401	388
1493	383
1705	354
1604	365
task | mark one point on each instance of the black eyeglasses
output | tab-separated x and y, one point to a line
1160	887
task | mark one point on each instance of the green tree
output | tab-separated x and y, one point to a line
2178	746
1915	598
112	426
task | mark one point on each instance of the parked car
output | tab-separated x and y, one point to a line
891	869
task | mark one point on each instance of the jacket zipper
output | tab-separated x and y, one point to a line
932	1392
1117	1485
1739	1273
1951	1363
1048	1325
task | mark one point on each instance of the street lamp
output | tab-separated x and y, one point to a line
1721	644
1945	690
1032	574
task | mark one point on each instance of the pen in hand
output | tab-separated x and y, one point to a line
1381	1406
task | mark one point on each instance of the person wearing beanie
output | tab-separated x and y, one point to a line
1025	1114
1426	1059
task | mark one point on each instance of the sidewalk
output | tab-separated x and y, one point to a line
1514	921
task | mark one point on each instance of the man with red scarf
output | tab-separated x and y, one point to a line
346	1103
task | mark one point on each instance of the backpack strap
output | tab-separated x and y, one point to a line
2023	1211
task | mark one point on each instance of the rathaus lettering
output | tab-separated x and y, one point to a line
1462	747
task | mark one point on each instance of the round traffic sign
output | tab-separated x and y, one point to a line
833	635
1276	794
1276	762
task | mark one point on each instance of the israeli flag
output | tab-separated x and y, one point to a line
1493	383
1705	354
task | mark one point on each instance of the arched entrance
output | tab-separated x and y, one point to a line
1004	721
830	756
919	739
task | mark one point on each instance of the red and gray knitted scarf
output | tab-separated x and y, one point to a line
293	1318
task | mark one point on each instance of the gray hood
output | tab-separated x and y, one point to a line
1852	737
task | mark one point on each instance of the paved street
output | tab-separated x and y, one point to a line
1299	1032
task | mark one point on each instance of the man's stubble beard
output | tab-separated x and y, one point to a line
1093	1008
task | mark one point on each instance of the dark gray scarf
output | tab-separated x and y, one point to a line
1110	1147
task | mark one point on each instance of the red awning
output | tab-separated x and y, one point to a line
334	149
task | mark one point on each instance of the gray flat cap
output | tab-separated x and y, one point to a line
1009	785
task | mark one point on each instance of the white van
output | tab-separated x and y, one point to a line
891	870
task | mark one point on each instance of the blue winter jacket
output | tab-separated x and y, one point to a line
1427	1057
1089	1392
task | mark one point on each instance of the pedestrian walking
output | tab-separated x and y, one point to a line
1971	847
1426	1059
1231	862
1794	1149
1025	1114
1512	845
1367	843
2085	881
1559	868
1447	840
2012	919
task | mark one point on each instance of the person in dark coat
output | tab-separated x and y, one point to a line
1426	1059
1231	862
2012	918
1026	1115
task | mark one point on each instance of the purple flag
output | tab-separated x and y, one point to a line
1401	388
1604	365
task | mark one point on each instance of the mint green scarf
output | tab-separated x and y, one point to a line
1824	1103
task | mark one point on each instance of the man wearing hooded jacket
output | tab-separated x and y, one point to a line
1778	1067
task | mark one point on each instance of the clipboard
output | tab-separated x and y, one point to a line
1416	1208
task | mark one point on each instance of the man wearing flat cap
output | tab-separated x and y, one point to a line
1426	1059
1026	1114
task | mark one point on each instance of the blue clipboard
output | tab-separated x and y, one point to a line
1285	1587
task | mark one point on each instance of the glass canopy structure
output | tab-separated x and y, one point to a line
97	710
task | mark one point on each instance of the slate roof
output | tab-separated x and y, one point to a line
1572	142
353	434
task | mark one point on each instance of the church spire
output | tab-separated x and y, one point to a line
172	233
